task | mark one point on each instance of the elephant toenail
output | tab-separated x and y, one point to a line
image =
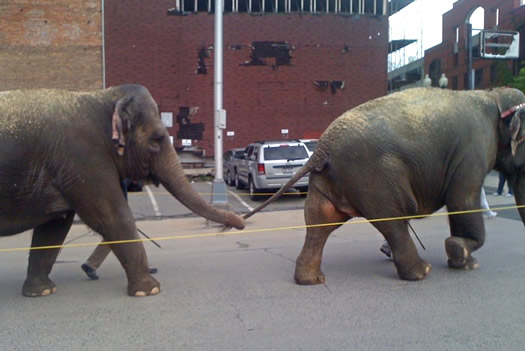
140	294
45	292
154	291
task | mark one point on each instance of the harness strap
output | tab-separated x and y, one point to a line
510	111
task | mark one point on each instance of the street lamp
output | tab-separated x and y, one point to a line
427	81
443	81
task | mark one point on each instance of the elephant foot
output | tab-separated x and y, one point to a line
304	276
415	272
459	256
38	287
145	287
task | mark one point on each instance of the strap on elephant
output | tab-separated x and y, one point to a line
506	113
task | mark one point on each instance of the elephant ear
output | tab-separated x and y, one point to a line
118	122
517	136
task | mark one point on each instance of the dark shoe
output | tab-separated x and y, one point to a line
386	249
90	272
153	270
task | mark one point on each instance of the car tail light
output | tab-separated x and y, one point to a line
260	168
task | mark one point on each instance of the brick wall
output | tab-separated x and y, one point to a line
144	45
51	44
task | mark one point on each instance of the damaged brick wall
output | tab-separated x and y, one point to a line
50	44
144	45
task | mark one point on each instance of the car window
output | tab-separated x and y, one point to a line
253	156
311	145
238	154
249	151
285	153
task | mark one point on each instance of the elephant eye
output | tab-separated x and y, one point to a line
155	142
157	138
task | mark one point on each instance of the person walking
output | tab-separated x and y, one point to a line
501	183
102	250
485	205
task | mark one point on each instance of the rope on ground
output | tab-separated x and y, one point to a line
252	231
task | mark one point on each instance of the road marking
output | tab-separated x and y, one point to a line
241	201
238	199
153	202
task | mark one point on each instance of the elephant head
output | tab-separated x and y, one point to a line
511	153
143	149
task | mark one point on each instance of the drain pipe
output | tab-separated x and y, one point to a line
103	46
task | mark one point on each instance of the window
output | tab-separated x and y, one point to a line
286	152
478	77
372	7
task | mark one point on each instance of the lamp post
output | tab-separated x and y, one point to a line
219	195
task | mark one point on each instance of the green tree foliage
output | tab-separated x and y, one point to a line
503	73
506	78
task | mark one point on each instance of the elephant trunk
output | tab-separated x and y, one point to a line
168	170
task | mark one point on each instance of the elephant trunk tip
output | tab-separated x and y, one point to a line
235	221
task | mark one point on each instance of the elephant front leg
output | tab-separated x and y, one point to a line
111	217
41	261
133	258
468	235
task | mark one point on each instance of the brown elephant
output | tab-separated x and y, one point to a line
408	154
64	153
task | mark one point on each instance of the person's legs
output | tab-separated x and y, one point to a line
95	260
485	205
501	183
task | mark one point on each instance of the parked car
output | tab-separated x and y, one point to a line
230	161
267	165
310	144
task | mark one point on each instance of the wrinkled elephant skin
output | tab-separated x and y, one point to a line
408	154
64	153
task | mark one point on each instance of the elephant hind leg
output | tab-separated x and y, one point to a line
409	265
41	261
318	211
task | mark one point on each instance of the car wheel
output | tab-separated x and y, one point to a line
238	184
228	179
253	191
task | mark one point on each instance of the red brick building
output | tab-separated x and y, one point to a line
50	44
450	57
284	70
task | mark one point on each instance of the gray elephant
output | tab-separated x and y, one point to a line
65	152
408	154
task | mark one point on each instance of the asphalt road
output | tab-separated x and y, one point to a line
235	291
155	202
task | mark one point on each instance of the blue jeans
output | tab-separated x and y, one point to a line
501	184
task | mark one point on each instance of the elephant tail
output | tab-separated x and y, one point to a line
316	162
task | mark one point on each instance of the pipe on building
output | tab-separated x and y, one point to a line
103	46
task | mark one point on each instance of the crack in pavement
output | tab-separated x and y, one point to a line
267	250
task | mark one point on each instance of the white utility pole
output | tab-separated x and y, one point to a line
219	196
